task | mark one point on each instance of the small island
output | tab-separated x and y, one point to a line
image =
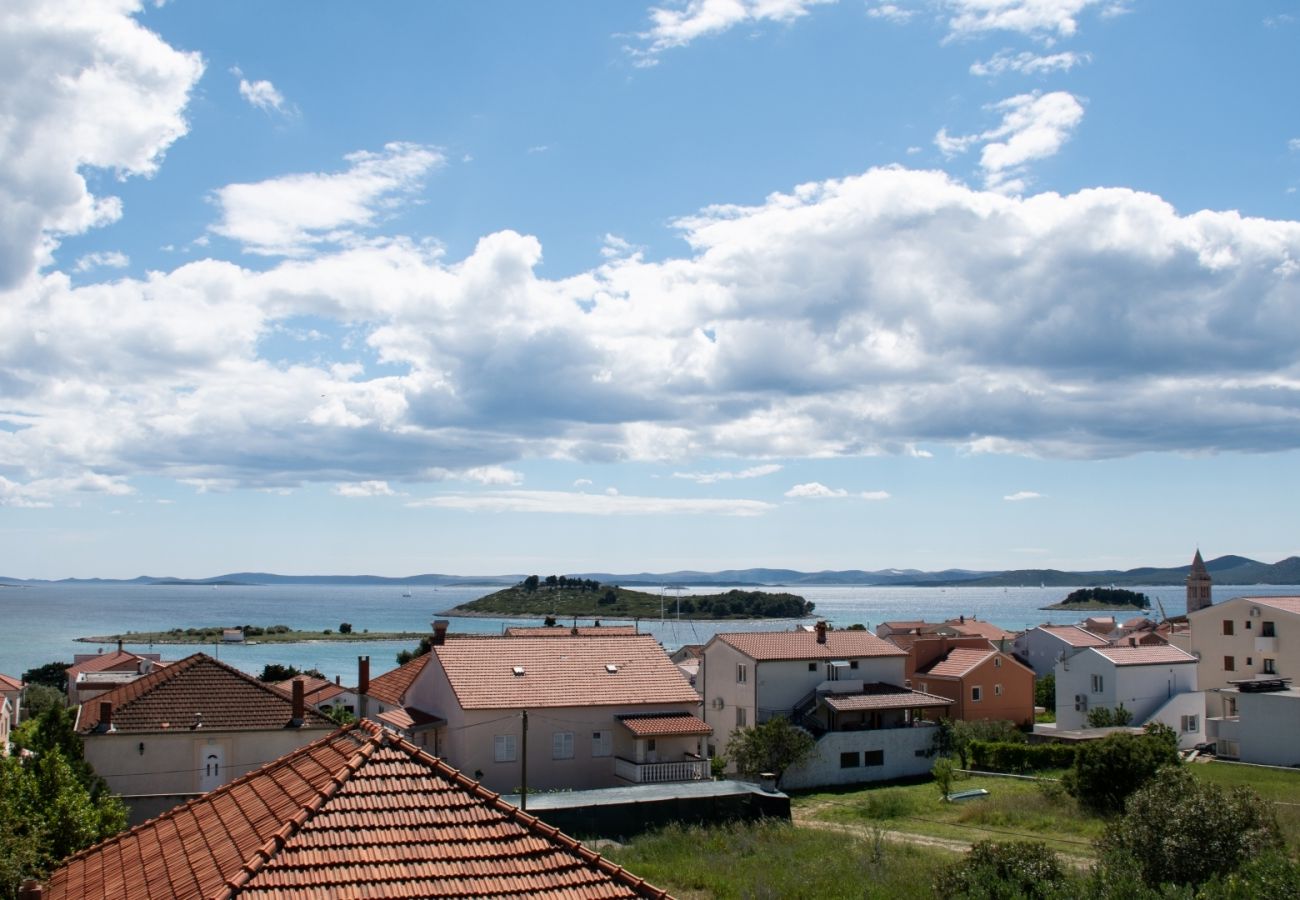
559	595
1099	598
251	634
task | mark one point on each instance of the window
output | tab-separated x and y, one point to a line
1266	629
1270	667
562	745
850	760
1098	684
503	748
925	688
873	757
601	743
853	664
997	690
1227	626
742	673
976	693
1249	662
1229	664
741	719
812	667
1191	724
997	662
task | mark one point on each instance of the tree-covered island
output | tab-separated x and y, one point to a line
1100	598
559	595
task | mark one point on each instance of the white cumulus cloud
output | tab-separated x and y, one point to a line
261	94
1023	495
110	259
1027	63
364	489
1034	126
699	18
607	504
712	477
1044	19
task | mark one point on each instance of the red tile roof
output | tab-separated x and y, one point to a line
121	660
981	628
781	645
1159	654
315	690
8	683
957	663
359	813
567	631
665	725
1074	635
391	687
884	696
406	718
562	673
168	699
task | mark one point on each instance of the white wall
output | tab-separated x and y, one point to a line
1040	650
1269	727
900	746
1142	689
1174	714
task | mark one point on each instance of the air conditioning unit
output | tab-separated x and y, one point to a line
1080	702
718	703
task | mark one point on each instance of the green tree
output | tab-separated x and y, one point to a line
1108	771
37	698
345	628
530	583
1045	692
340	716
773	746
944	772
956	735
275	672
1024	870
53	674
425	645
1104	717
1178	829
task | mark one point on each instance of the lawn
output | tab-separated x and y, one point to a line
775	859
1016	809
1282	786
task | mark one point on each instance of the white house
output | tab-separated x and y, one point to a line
845	687
1264	724
585	711
1041	647
1155	683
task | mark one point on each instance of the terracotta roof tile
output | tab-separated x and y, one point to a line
408	717
391	687
563	631
957	663
1285	604
9	683
121	660
774	645
562	673
1157	654
665	724
167	699
315	690
1074	635
879	695
358	813
981	628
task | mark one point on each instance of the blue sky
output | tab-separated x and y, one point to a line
486	288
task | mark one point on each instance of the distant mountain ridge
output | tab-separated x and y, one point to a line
1226	570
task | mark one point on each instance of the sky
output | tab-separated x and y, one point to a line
491	288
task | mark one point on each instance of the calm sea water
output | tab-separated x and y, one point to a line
39	623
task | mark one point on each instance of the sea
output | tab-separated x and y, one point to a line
40	622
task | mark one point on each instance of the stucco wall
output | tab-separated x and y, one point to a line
172	762
718	682
1245	645
1174	712
900	747
1142	689
1270	727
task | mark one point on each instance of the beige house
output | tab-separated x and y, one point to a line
189	728
92	674
11	694
1244	638
580	711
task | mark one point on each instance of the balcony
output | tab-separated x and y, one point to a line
692	768
1223	728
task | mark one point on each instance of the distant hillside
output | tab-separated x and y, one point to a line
587	597
1225	570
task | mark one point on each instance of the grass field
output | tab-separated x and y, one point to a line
1282	786
1015	809
776	859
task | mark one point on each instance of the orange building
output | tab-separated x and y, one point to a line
984	683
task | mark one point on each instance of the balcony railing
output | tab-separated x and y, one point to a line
691	769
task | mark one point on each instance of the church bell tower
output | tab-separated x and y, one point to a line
1198	585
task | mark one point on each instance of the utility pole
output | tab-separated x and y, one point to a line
523	775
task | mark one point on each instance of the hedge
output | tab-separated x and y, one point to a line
1000	756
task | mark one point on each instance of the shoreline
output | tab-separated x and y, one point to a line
559	619
138	640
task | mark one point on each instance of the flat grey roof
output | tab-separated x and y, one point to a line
639	793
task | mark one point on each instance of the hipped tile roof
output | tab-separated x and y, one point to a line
1158	654
358	813
1285	604
562	673
391	687
167	700
406	718
665	725
567	631
315	690
8	683
957	663
799	645
1074	635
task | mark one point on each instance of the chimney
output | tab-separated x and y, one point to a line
440	632
299	703
338	679
962	619
363	674
1132	642
119	645
105	716
821	632
31	890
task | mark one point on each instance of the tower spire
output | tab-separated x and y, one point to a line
1198	584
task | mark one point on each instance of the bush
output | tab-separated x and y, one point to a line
999	756
1179	829
956	736
1045	692
39	697
773	746
345	628
944	772
1103	717
1108	771
996	870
